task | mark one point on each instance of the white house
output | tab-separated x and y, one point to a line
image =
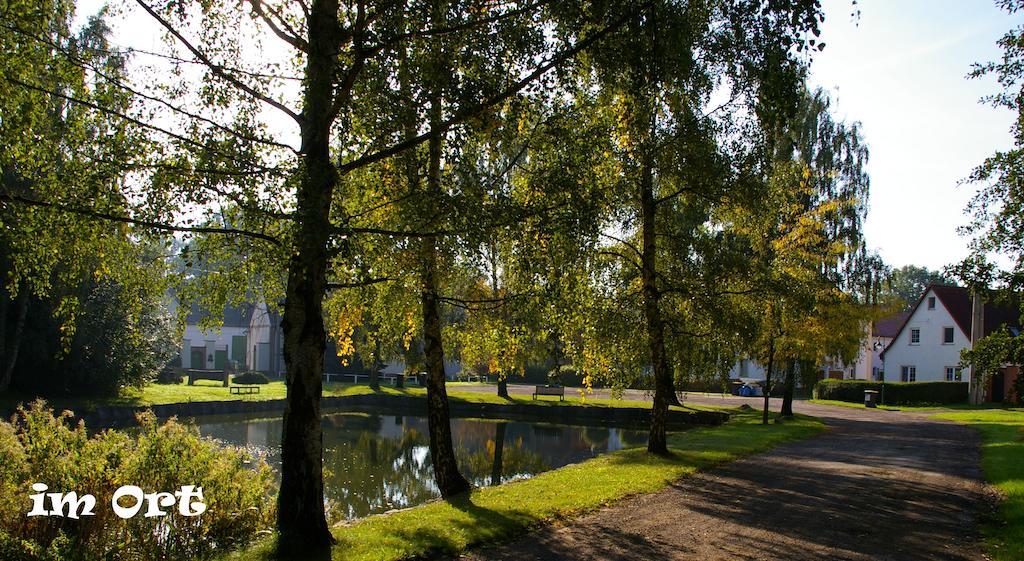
211	349
928	344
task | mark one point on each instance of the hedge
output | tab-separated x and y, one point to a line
893	393
251	378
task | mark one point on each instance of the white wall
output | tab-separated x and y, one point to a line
219	339
931	356
747	370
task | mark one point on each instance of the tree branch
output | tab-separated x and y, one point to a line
216	68
162	226
360	283
515	88
289	36
128	118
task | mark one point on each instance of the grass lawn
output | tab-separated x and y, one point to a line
1002	458
938	407
496	514
208	390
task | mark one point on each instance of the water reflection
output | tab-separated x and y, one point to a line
376	463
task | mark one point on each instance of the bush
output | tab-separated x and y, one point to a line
893	393
251	378
170	376
38	446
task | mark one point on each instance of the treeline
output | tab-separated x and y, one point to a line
643	190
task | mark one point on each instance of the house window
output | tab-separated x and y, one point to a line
954	374
915	336
931	302
947	335
908	373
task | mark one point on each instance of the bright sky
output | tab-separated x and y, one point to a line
900	70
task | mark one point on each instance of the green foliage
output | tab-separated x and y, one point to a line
992	352
121	338
906	284
251	378
38	446
1002	455
893	393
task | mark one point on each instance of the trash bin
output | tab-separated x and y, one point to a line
870	398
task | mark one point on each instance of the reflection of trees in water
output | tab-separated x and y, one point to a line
633	438
371	473
375	463
499	459
596	436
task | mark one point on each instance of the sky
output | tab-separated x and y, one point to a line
900	69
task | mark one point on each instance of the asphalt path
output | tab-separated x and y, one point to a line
878	485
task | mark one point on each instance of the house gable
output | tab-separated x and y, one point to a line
952	304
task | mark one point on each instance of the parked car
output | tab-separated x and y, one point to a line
751	390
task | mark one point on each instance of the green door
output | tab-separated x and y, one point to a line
198	359
238	350
220	359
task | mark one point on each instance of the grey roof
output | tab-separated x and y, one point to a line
233	316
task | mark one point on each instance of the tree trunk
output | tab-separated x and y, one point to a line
673	395
502	376
499	449
442	452
301	523
375	367
768	380
657	439
787	395
11	354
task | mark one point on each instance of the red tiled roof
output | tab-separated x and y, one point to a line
957	301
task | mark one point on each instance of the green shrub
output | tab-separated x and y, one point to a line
170	376
251	378
893	393
40	447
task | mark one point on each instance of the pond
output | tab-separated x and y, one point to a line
375	463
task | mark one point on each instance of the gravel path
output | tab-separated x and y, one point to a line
879	485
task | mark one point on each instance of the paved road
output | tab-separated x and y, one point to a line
879	485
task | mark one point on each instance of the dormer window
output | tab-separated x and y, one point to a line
931	302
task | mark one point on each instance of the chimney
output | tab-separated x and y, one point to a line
977	390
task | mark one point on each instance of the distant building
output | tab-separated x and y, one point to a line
927	346
868	364
251	337
211	349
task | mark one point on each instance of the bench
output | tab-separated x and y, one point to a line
549	390
244	389
215	375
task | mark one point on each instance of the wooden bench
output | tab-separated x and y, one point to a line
244	389
215	375
549	390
